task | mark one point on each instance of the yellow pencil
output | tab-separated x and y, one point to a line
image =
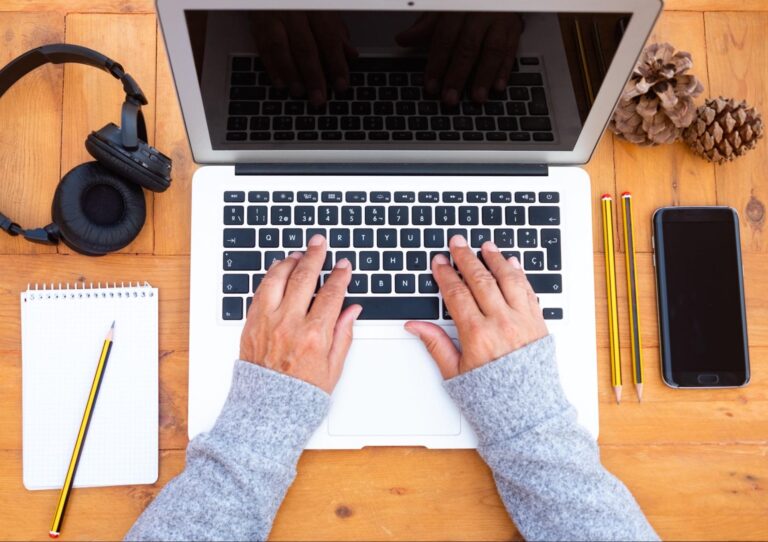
610	286
632	304
70	477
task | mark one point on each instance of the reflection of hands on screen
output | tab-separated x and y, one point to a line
460	45
301	49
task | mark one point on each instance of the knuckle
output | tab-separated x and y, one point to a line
481	275
468	47
455	289
302	276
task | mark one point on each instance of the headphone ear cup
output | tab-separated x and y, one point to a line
96	211
144	166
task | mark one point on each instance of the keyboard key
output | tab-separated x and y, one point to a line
269	238
374	215
280	215
501	197
429	197
434	238
358	284
486	124
410	238
504	238
328	262
550	240
396	308
478	236
328	215
402	136
341	108
405	283
392	260
236	136
546	283
386	238
421	215
381	284
293	238
257	215
508	124
328	125
449	136
426	136
535	124
398	215
440	124
533	260
233	215
232	308
445	315
519	136
515	109
452	232
241	63
356	197
525	197
351	215
427	284
349	255
416	260
331	197
234	197
380	197
282	197
552	314
304	215
549	197
297	108
525	79
469	216
445	216
378	136
339	238
369	261
270	256
514	216
544	216
236	284
511	254
362	237
495	136
492	215
311	232
395	123
257	278
361	109
244	108
405	197
242	261
477	197
258	196
307	197
527	238
453	197
239	238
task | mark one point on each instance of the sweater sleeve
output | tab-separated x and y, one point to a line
236	475
546	466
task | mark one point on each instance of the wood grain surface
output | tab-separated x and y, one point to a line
696	461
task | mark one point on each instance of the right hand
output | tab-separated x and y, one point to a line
494	308
295	46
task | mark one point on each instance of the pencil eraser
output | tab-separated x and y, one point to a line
53	535
625	194
605	196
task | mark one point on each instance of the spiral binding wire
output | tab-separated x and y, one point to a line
81	290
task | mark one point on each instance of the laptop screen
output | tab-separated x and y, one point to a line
319	80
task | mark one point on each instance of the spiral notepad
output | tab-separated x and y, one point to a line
62	333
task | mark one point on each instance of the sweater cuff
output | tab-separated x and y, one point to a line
267	410
511	394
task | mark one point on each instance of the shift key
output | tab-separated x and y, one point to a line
546	283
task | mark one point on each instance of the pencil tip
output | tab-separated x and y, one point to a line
113	325
640	393
617	391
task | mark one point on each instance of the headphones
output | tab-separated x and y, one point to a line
98	206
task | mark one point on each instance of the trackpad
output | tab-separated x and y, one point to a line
391	387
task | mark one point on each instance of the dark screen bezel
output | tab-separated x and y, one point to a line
688	379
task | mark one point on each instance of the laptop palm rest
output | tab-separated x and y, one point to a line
391	387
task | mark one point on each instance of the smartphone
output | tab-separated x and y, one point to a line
700	294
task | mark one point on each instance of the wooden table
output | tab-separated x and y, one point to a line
697	461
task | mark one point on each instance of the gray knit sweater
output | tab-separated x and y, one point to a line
547	468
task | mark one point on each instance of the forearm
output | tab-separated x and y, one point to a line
547	468
237	474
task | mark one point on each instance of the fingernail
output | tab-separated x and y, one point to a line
515	262
440	259
358	312
316	240
481	94
411	331
296	255
501	84
341	84
458	241
342	263
490	246
274	263
431	86
452	96
316	97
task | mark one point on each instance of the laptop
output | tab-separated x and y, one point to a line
383	126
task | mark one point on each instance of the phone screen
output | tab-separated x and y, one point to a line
703	298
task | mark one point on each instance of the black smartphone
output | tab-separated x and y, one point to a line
700	289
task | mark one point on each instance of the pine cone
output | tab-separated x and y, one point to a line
724	129
657	102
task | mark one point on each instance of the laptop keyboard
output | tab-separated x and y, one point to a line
390	239
386	102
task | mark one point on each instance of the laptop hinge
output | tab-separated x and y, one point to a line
391	169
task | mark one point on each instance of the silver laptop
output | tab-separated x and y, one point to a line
340	122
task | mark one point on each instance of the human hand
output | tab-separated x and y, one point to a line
494	308
300	49
462	43
284	334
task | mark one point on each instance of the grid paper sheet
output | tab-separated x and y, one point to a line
63	333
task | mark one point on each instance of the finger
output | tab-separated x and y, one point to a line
513	39
330	298
465	55
509	276
342	340
446	33
480	281
331	35
491	58
457	297
419	32
306	56
439	345
303	280
272	43
272	288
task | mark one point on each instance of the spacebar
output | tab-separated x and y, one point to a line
396	308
